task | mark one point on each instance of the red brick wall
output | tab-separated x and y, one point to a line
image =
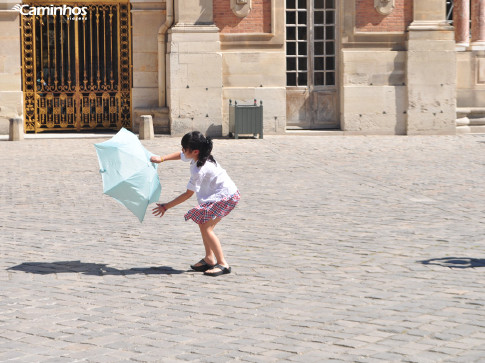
367	18
258	20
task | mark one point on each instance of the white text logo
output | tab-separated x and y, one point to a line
51	10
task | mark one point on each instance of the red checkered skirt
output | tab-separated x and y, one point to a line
212	210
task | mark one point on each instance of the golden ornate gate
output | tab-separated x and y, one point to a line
76	64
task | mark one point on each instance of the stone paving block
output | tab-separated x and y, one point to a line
375	243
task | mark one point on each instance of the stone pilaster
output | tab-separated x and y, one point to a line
478	25
11	96
194	70
431	71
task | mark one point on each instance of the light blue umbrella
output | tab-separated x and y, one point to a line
128	175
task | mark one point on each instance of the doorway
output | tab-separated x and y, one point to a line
311	64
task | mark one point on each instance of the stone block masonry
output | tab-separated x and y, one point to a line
350	249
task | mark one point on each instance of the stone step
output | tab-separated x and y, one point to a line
470	129
470	112
470	120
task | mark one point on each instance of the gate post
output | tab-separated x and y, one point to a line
16	129
146	128
194	70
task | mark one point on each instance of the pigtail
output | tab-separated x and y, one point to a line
205	151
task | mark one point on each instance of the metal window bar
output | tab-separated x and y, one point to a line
449	11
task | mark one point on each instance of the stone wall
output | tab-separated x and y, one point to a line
398	77
373	68
147	17
374	91
254	67
471	79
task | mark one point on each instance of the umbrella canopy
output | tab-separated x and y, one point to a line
128	175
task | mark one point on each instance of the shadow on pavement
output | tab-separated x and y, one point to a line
95	269
455	262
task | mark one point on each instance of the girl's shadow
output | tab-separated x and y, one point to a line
94	269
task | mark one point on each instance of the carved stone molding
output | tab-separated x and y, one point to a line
384	7
241	7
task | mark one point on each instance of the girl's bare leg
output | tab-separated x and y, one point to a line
211	241
209	255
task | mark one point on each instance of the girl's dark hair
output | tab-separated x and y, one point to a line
195	140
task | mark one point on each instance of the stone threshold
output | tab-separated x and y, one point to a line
307	132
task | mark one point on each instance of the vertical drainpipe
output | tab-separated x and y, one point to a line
162	77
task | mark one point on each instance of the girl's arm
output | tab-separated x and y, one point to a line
161	159
162	208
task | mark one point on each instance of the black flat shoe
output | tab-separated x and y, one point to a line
203	267
223	271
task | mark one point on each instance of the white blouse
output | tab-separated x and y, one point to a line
210	182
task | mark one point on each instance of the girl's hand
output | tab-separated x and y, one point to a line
159	210
156	159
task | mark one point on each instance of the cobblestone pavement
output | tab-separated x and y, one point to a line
345	248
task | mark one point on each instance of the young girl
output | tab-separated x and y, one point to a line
216	193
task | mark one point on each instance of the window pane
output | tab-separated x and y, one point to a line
318	48
319	32
302	79
318	4
319	79
302	17
290	4
302	48
302	64
318	17
320	43
319	64
291	79
302	33
291	64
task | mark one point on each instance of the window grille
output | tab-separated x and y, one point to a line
310	42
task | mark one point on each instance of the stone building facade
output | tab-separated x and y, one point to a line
359	66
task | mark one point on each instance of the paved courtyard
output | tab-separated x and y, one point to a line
343	248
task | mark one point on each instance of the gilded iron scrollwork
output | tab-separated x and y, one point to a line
77	71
